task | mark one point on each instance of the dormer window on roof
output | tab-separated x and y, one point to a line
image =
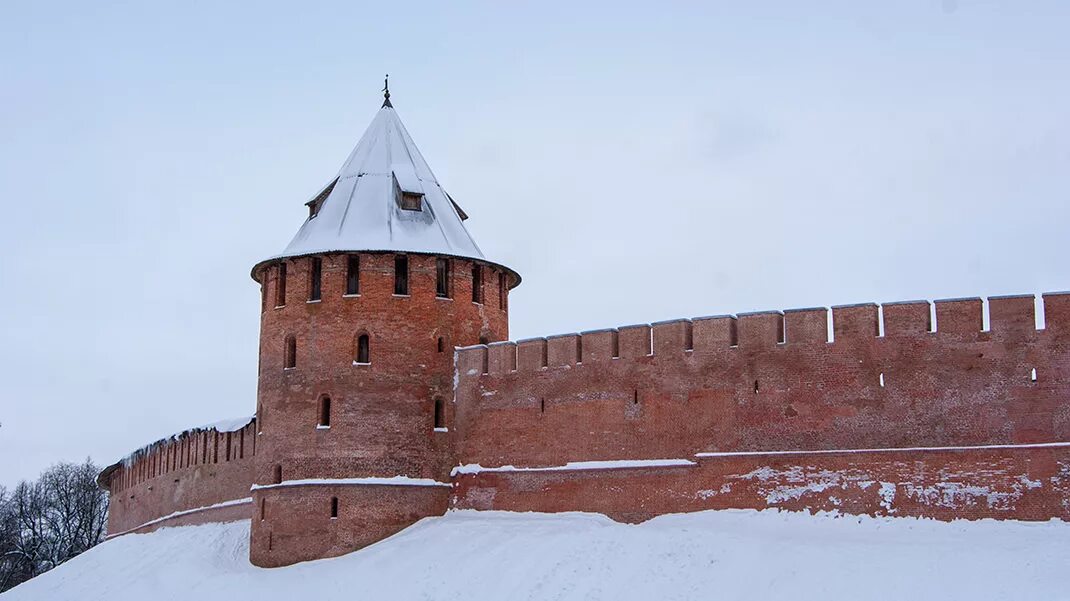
317	200
385	199
410	201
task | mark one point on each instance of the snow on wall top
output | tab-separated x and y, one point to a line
361	212
222	426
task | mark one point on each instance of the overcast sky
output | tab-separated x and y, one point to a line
633	163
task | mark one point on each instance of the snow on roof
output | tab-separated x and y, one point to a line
361	212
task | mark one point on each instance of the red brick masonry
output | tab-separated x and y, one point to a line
898	414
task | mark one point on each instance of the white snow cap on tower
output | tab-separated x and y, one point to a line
385	198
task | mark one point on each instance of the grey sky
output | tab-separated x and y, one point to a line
632	162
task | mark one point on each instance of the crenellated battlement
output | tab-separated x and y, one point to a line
1010	317
892	375
197	474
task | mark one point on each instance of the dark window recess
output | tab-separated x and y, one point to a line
317	202
363	350
280	290
503	292
441	344
440	414
477	283
353	274
334	507
325	412
315	285
442	278
411	201
262	507
401	274
290	353
278	474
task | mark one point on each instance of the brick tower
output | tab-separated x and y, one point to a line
359	319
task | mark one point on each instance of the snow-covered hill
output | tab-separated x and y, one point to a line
507	556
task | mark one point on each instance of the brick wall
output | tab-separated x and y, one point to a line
194	470
1027	483
772	382
382	412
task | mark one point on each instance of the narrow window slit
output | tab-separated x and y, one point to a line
315	274
477	283
881	379
756	387
363	354
442	278
334	508
280	289
325	412
440	414
1033	375
290	353
401	275
353	275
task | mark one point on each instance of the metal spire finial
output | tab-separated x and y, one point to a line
386	92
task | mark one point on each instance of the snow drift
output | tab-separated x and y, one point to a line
497	555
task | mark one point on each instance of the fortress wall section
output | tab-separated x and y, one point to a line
776	381
198	476
1025	483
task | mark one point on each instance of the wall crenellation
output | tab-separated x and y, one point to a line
1010	317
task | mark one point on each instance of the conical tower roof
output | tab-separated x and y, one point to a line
384	199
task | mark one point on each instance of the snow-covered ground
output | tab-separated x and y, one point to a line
508	556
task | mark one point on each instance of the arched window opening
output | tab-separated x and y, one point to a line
442	278
1033	375
280	289
315	277
334	508
756	387
325	412
477	283
401	275
278	474
363	354
290	354
441	344
353	275
440	414
881	379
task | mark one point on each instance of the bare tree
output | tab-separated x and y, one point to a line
47	522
